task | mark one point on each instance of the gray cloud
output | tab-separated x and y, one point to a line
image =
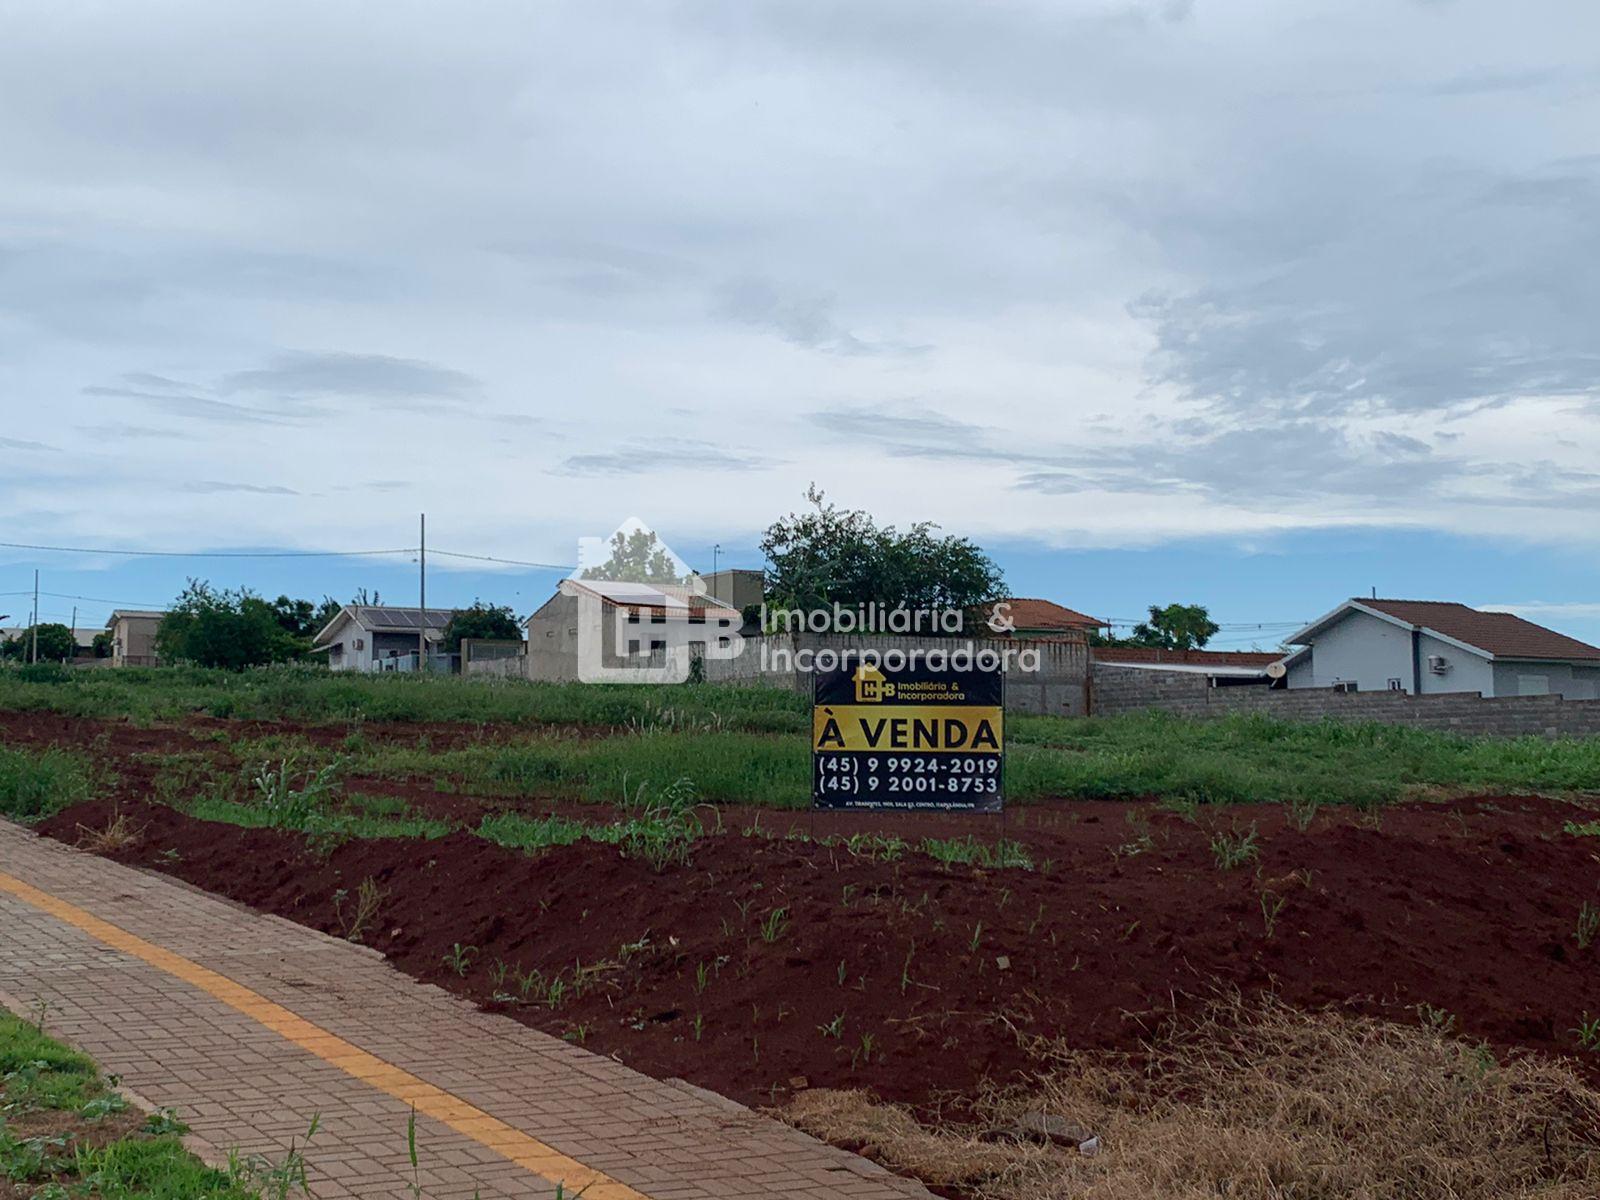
1459	289
644	457
296	388
1358	248
800	320
120	430
10	443
274	411
338	374
211	486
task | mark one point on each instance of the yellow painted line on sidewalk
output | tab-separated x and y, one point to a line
449	1109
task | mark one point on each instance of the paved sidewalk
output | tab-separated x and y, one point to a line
248	1025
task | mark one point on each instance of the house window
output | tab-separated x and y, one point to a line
1533	685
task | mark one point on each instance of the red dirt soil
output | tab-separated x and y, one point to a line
1469	907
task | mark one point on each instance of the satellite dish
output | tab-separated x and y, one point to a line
1276	670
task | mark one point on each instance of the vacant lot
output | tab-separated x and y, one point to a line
630	868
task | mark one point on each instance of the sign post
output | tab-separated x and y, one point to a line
915	738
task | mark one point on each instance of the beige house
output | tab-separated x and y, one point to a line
133	637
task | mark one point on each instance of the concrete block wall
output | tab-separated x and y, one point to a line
1059	687
1123	690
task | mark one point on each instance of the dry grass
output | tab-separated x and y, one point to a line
118	834
353	922
1262	1104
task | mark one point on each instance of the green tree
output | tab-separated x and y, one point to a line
215	628
480	621
637	557
828	554
1175	627
326	611
294	616
55	644
102	645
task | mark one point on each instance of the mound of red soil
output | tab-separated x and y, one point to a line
767	959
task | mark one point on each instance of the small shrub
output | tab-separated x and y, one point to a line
1231	850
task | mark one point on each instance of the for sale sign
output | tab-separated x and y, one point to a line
917	737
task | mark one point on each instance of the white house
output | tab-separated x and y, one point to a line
369	637
1429	646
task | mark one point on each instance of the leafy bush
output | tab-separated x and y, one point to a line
235	629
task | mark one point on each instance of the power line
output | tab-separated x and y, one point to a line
409	550
100	600
510	562
209	553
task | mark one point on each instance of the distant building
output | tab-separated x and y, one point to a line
1430	646
1036	618
738	587
635	618
371	637
133	637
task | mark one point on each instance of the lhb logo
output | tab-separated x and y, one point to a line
871	686
643	616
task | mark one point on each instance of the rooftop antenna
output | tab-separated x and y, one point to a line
1374	591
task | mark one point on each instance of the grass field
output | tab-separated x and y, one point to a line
620	866
749	745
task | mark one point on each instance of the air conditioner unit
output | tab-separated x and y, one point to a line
1438	664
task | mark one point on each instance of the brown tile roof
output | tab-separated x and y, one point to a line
1503	635
1045	614
1155	654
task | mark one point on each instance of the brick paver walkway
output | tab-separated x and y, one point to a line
248	1024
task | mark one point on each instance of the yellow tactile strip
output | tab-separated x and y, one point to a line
465	1118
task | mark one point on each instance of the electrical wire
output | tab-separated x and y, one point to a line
100	600
209	553
510	562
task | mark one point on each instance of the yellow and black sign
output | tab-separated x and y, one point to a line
912	738
947	729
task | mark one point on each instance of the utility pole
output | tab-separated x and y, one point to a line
73	629
422	593
33	654
716	550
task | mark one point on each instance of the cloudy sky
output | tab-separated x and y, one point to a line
1247	303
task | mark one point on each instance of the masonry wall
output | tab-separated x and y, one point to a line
1059	687
1123	690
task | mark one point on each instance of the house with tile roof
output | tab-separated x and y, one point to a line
1430	646
1034	618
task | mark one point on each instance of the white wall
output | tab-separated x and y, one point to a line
1468	672
1361	649
1561	679
1369	651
